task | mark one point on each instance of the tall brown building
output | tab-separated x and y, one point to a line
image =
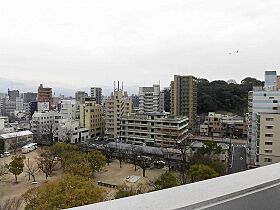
184	98
44	94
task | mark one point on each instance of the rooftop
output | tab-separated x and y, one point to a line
15	134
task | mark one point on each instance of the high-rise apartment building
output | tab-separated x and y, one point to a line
165	102
268	139
13	94
261	100
96	93
91	118
184	98
44	94
149	99
116	107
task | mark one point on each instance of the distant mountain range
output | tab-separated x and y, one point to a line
57	90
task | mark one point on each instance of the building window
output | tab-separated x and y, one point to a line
268	143
268	135
269	127
268	151
267	160
269	119
275	108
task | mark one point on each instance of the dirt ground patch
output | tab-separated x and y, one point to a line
9	189
113	174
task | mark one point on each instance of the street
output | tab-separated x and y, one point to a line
238	159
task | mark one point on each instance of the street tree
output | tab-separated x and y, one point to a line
96	161
16	165
67	192
199	172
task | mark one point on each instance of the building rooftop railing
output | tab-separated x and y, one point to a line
252	189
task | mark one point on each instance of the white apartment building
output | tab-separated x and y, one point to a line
116	107
42	122
69	109
268	139
69	131
153	129
149	99
260	100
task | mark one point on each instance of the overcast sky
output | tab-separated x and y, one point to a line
93	42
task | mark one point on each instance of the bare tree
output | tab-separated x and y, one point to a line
184	146
142	160
31	169
46	163
108	152
121	155
3	171
135	152
10	204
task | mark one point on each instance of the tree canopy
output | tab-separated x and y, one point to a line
221	96
166	180
16	165
199	172
70	191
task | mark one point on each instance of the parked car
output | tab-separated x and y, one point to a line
6	154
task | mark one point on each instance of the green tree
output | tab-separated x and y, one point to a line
76	163
166	180
61	150
199	172
96	161
70	191
16	165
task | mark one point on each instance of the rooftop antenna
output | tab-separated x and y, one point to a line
118	85
114	85
122	85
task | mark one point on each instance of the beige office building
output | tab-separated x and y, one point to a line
116	107
91	118
184	98
153	129
268	139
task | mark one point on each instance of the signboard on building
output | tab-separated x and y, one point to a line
43	106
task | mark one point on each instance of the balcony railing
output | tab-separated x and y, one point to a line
253	189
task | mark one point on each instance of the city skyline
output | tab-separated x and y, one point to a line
78	45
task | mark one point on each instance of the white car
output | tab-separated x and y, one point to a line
6	154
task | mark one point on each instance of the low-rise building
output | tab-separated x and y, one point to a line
219	125
9	141
69	131
154	129
268	139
